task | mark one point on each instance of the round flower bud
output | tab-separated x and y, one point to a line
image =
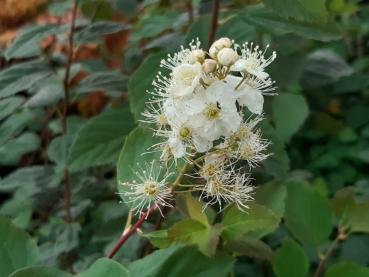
219	45
227	56
209	65
197	55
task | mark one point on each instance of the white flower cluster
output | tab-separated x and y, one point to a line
199	107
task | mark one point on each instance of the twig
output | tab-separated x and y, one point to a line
323	260
130	232
190	11
214	23
66	104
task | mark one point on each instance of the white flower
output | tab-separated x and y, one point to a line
250	90
186	77
197	55
227	56
252	61
209	66
214	112
154	114
219	45
148	189
227	188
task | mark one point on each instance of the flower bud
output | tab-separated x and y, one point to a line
219	45
209	65
227	56
197	55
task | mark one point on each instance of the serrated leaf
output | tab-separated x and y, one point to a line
308	215
9	105
102	81
306	10
97	30
290	260
26	43
99	140
179	261
22	77
344	269
289	113
25	143
270	22
17	249
193	209
257	222
105	267
141	81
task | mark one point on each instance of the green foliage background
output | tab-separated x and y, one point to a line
311	210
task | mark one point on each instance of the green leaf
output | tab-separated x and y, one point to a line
179	261
105	267
26	176
278	164
250	247
17	248
289	113
199	29
273	196
305	10
25	143
257	222
39	271
290	260
95	31
192	208
14	124
235	28
307	215
141	82
9	105
159	238
22	77
102	81
137	143
270	22
99	140
324	67
26	44
345	269
189	231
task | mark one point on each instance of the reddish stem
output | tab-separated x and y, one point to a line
214	23
130	232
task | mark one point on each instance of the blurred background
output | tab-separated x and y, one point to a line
68	101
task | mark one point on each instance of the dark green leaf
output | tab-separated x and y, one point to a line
273	196
9	105
345	269
179	261
250	247
290	260
257	222
105	267
141	82
39	271
289	113
306	10
97	30
99	140
17	249
308	215
102	81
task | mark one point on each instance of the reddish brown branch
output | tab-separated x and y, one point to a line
67	194
130	232
190	11
214	23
